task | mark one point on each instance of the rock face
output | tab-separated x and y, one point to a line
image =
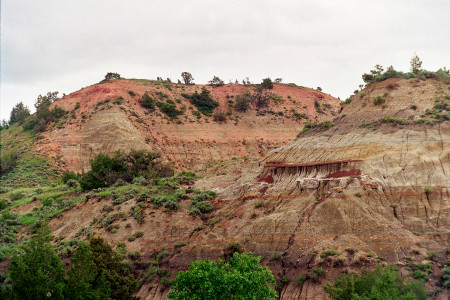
104	122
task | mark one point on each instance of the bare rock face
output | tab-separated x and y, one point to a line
109	117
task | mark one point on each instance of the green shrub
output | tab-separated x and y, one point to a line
204	103
72	183
169	108
378	100
300	280
217	280
322	125
285	279
8	161
381	283
329	252
243	102
395	121
171	204
204	206
180	244
147	102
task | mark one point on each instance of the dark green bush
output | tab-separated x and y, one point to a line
147	102
378	100
243	102
106	170
169	108
8	161
204	103
267	83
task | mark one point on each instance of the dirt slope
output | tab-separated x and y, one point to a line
188	141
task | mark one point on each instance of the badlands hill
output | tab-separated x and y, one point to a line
350	186
370	186
108	116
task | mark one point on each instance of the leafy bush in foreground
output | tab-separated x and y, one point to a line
241	278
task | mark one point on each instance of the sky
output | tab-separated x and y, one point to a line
54	45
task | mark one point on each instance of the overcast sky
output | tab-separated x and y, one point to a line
54	45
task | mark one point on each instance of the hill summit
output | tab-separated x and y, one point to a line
172	119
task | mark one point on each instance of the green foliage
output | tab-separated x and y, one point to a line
395	121
241	278
98	273
169	108
147	102
416	64
112	75
322	126
381	283
44	115
19	113
204	103
300	280
106	170
187	78
378	100
267	84
8	161
243	102
37	272
329	252
69	175
216	81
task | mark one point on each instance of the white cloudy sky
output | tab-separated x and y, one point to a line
54	45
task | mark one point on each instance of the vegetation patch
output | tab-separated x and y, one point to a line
321	125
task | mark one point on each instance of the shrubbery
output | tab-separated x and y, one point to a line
243	102
377	74
216	81
106	170
147	102
169	108
241	278
19	113
204	103
381	283
97	272
8	160
43	114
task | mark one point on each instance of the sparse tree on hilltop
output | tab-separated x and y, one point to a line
216	81
112	75
19	113
416	64
267	83
187	78
278	80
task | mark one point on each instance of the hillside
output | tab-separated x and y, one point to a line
109	117
364	182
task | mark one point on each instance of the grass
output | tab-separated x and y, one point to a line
322	126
